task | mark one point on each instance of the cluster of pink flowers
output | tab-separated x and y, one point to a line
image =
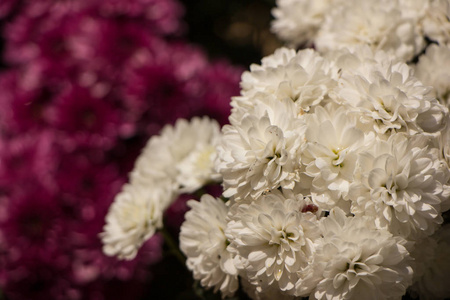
87	83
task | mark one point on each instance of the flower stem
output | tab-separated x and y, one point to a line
173	248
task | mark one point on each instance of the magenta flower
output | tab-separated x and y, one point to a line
28	159
37	32
23	107
85	117
6	7
105	45
222	81
158	84
162	17
89	81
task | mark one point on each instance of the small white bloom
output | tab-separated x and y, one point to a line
155	164
184	154
203	241
414	9
386	93
355	260
437	22
401	183
197	166
133	218
382	25
302	77
297	21
432	255
272	240
333	142
431	71
260	153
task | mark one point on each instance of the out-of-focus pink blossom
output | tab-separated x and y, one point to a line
221	79
161	16
29	158
6	7
85	117
89	81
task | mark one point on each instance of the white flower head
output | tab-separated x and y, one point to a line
261	153
183	153
133	218
196	168
203	241
382	25
155	164
433	255
273	240
430	71
415	9
297	21
333	141
302	77
437	22
386	93
355	260
401	182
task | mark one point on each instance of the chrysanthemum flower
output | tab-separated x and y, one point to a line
386	93
298	21
429	71
355	260
401	182
302	77
85	118
161	17
182	155
382	25
261	153
436	24
273	240
133	218
333	142
203	241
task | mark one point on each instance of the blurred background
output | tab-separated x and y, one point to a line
83	85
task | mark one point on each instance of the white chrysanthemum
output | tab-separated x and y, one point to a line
133	218
431	71
333	142
261	153
184	153
302	77
401	183
203	241
297	21
378	24
197	167
414	9
386	93
272	240
437	22
155	164
355	260
434	271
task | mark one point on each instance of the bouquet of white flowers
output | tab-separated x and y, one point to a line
335	164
